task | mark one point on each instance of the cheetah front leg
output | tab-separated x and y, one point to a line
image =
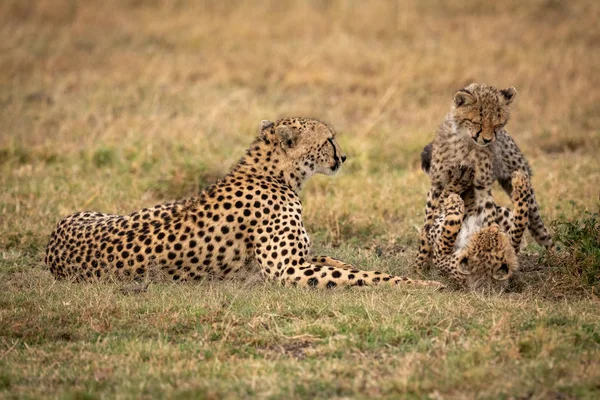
286	263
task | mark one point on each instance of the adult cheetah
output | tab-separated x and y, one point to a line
473	134
249	221
472	254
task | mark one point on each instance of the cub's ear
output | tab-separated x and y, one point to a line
509	94
463	98
287	136
264	124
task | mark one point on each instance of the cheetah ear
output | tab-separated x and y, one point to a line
509	94
463	98
287	137
264	124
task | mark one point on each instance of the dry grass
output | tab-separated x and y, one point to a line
116	105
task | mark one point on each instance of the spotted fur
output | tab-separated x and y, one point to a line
473	135
472	254
248	222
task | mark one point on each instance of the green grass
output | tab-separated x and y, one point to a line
236	339
579	259
114	106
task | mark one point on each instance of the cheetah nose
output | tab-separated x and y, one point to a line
486	141
343	158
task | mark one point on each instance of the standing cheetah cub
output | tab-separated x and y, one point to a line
473	135
248	222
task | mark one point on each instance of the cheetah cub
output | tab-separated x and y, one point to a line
472	134
249	222
476	256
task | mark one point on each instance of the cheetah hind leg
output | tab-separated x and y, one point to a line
503	218
535	224
453	208
485	204
453	219
520	198
433	198
461	178
422	263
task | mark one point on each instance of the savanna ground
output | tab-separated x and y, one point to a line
117	105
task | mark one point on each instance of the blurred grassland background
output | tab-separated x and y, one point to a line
118	105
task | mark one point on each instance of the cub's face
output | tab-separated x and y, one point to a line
308	142
488	260
481	111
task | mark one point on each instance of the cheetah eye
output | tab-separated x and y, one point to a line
463	266
502	273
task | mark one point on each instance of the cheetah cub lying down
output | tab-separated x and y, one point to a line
473	135
248	222
472	254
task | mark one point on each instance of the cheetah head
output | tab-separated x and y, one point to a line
307	143
481	111
487	261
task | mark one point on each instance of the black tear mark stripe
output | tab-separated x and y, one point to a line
335	157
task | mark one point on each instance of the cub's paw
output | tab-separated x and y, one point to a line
461	177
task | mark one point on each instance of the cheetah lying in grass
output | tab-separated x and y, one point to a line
248	222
